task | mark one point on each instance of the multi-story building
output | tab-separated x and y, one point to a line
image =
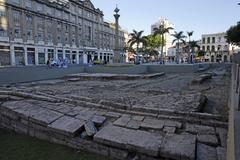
167	36
33	31
217	48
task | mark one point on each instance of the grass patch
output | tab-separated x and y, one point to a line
20	147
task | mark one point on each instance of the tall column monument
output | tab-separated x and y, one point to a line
117	56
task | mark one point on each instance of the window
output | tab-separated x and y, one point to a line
16	20
16	17
58	13
49	10
213	48
80	11
49	31
213	39
28	4
208	48
3	22
219	39
208	40
29	24
66	16
40	28
16	1
17	32
226	48
39	7
73	18
89	33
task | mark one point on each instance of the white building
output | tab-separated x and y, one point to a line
167	37
217	48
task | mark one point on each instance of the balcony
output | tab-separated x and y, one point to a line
4	39
40	43
18	40
30	41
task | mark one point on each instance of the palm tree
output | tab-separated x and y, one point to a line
161	31
189	35
192	46
153	43
179	37
189	39
137	38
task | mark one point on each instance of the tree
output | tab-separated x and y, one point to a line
161	31
178	37
189	34
233	35
192	46
137	38
200	53
153	43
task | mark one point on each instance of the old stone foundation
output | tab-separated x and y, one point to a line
118	132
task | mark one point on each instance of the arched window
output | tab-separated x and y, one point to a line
213	48
208	48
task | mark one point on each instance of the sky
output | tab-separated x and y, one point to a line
200	16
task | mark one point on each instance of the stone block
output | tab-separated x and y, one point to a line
205	152
138	118
117	153
133	124
223	134
90	128
12	105
180	147
98	120
122	121
149	123
45	117
85	115
221	153
75	111
67	126
208	139
170	123
169	130
113	114
199	129
132	140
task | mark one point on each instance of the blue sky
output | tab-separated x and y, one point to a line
201	16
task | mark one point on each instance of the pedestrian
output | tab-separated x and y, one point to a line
48	63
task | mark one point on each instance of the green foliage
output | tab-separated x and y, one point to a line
200	53
233	35
179	37
190	34
137	38
154	41
160	31
193	44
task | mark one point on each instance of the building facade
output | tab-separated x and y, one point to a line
167	36
217	48
33	31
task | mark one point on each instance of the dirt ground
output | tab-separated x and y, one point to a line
171	91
